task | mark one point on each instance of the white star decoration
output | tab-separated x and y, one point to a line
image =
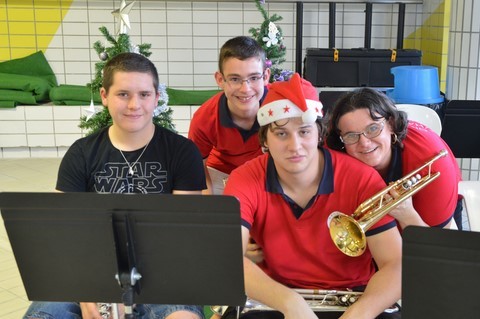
91	111
123	22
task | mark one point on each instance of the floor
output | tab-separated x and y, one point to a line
32	175
18	175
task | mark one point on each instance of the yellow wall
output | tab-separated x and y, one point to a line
30	26
432	37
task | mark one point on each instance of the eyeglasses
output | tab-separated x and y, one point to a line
371	131
236	82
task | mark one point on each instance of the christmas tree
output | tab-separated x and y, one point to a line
270	37
95	121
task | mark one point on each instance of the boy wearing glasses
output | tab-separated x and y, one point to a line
225	127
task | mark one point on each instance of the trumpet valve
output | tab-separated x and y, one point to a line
348	300
352	299
407	184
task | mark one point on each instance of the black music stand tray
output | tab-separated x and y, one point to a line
74	246
440	273
461	128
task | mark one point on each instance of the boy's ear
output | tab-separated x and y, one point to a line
103	95
219	79
267	74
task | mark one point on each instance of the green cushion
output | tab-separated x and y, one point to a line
26	80
21	86
73	95
35	65
17	97
7	104
189	97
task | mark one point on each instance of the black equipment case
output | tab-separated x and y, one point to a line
358	67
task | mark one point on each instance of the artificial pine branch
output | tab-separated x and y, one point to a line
275	51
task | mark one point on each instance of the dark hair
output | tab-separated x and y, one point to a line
321	125
128	62
241	48
378	105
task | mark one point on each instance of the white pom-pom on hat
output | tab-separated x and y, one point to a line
309	116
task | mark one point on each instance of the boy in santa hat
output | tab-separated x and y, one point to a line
286	197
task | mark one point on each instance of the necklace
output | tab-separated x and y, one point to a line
130	166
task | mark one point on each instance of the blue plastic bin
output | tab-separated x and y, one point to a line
415	84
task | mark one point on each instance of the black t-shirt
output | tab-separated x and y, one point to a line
170	162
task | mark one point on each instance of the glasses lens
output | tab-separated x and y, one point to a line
234	81
350	138
238	82
373	130
254	79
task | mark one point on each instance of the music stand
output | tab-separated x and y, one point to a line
440	273
71	246
461	129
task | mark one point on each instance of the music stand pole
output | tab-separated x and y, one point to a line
129	281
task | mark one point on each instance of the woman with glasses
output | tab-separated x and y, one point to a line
366	125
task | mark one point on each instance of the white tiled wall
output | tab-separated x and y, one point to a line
470	169
47	130
463	77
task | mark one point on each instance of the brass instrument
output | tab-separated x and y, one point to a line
348	232
317	300
109	311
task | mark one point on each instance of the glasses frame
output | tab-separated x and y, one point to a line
248	80
382	126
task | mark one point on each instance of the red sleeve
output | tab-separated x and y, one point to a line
436	202
202	125
247	184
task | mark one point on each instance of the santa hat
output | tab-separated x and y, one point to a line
293	98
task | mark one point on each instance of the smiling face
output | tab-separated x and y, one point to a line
131	100
376	151
243	99
294	146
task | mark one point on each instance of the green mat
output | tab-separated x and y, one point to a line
7	104
26	80
9	97
80	95
189	97
66	94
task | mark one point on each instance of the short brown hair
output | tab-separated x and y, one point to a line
128	62
241	48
